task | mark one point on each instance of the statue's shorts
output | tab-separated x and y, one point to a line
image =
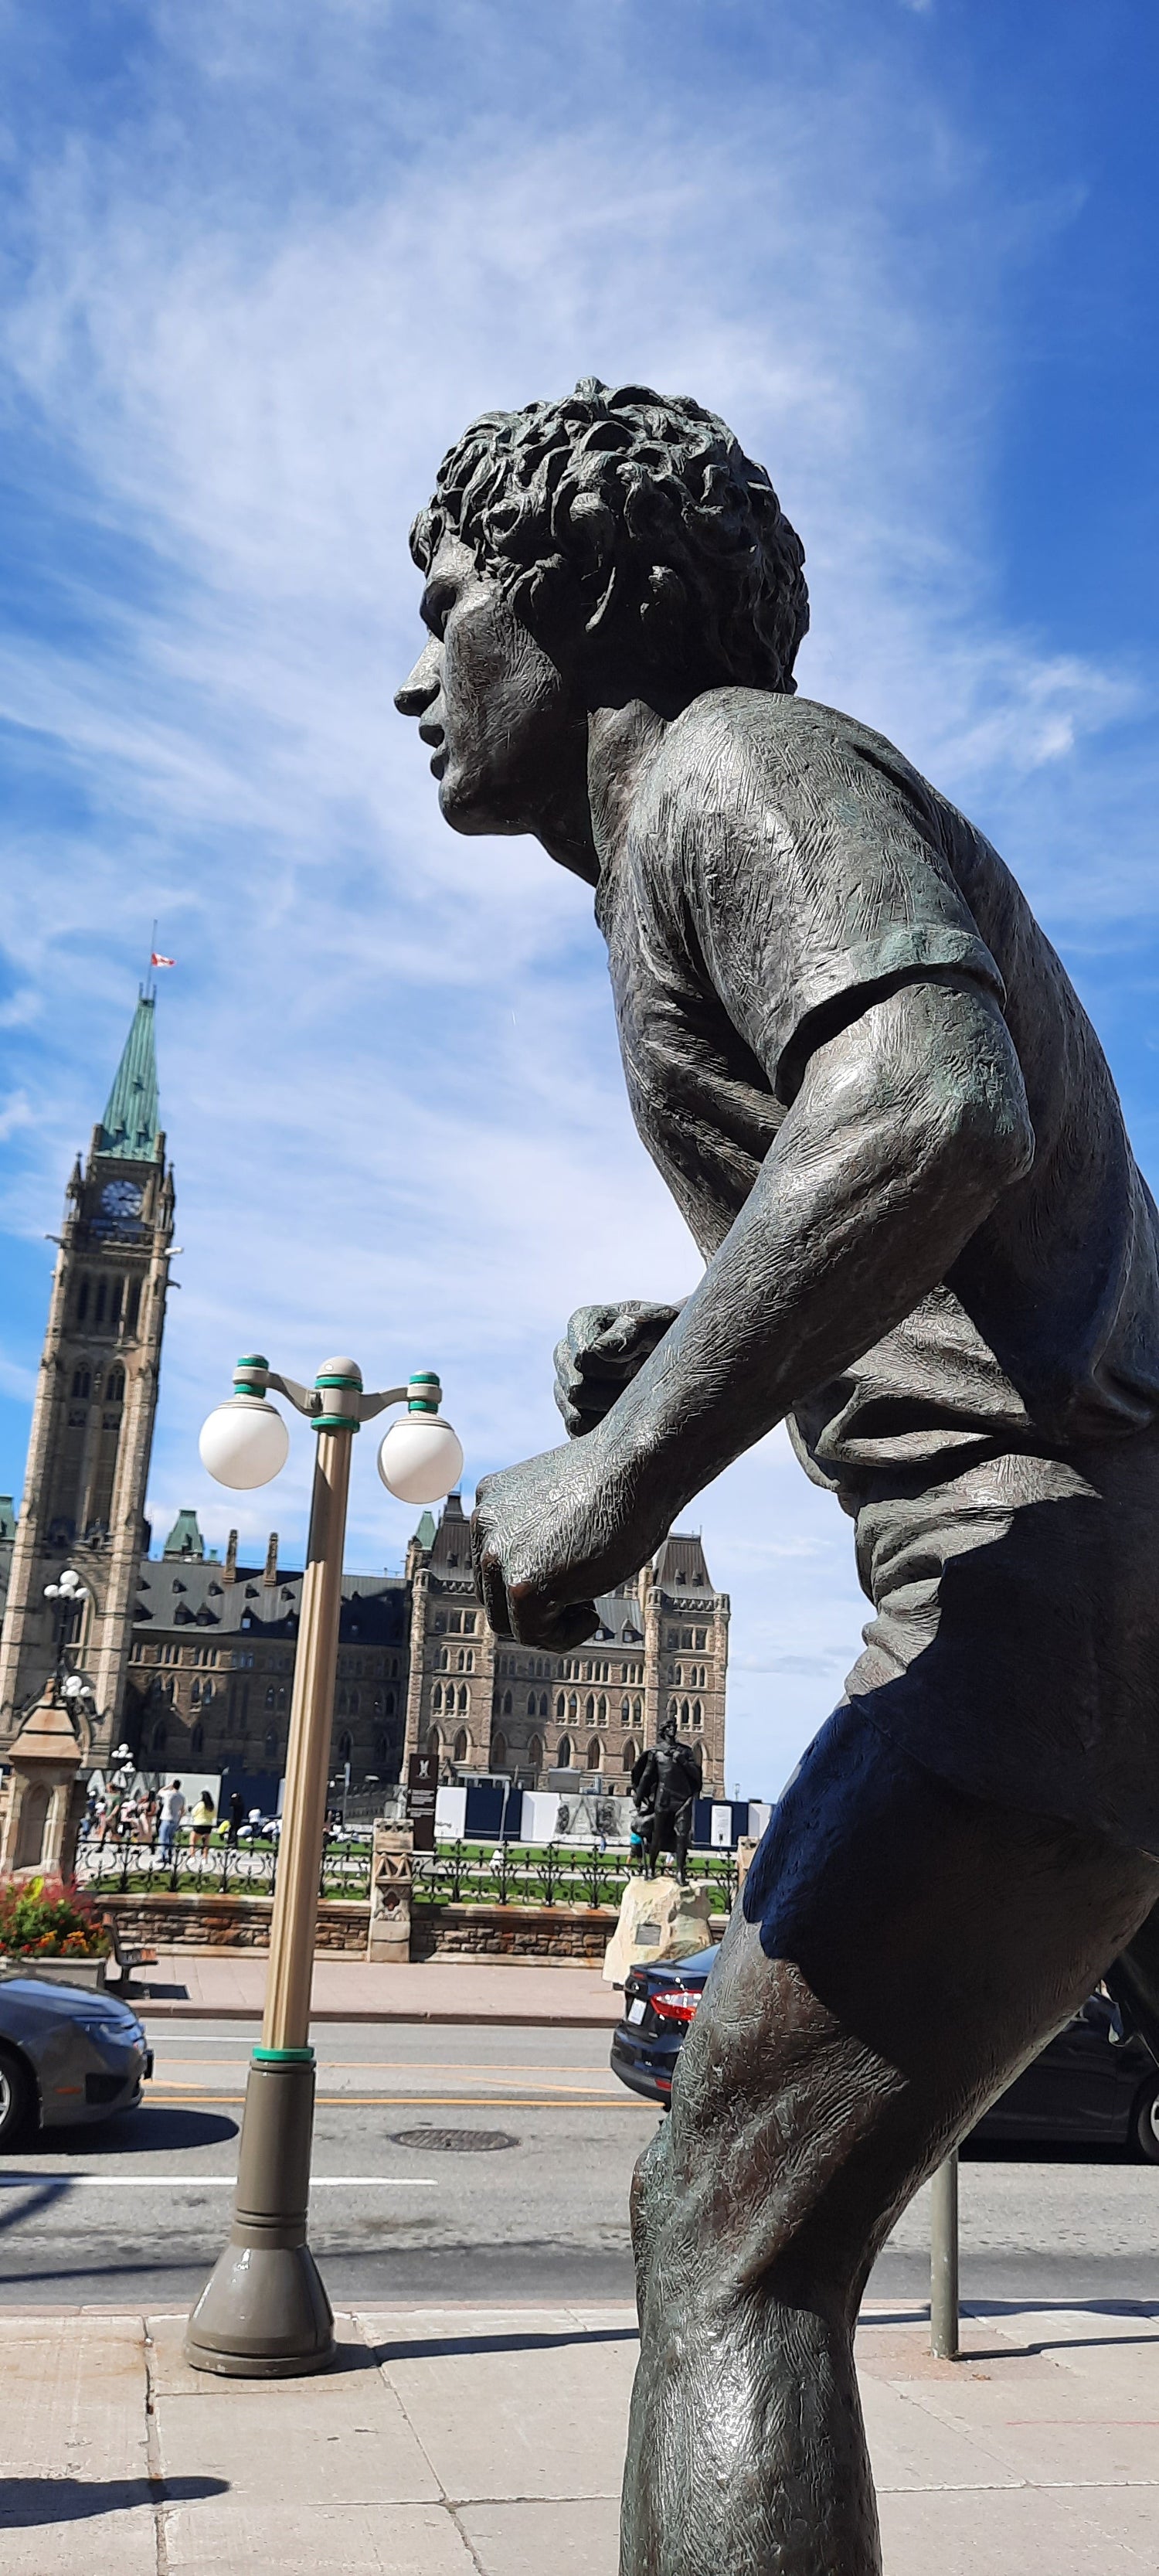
1014	1648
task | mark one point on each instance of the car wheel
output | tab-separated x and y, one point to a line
1147	2125
18	2099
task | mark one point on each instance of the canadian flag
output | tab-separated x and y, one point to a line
155	960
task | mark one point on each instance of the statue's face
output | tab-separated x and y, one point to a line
491	703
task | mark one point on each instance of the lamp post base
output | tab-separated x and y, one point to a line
264	2313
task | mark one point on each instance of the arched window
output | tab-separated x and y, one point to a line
535	1754
206	1692
115	1390
697	1714
543	1703
673	1710
602	1710
434	1740
638	1712
82	1382
437	1698
443	1662
115	1309
572	1705
461	1745
531	1703
560	1705
685	1712
590	1708
563	1757
594	1754
508	1704
102	1298
630	1758
470	1659
345	1747
464	1699
459	1663
133	1308
197	1739
271	1742
498	1752
625	1712
160	1735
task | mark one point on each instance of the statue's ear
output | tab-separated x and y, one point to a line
663	613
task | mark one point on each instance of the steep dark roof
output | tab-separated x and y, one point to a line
181	1593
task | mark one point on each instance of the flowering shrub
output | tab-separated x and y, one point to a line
43	1918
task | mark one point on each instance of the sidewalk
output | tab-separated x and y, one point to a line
227	1985
488	2442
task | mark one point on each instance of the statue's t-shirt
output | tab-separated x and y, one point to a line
784	865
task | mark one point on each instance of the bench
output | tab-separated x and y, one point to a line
127	1955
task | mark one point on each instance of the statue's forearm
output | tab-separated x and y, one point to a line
905	1131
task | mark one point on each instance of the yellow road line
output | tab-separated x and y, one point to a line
438	2101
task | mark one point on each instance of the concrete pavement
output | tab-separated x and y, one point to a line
230	1985
488	2442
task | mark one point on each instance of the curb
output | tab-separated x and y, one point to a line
368	2013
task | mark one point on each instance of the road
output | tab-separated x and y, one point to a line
480	2164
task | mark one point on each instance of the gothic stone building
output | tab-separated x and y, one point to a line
212	1662
482	1704
92	1422
191	1658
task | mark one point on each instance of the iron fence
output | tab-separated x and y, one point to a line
458	1873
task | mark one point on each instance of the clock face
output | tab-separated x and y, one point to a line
121	1198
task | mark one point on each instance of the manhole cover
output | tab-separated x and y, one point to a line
454	2142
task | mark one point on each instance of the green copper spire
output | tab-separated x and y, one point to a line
131	1118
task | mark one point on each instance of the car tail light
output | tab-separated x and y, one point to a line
676	2004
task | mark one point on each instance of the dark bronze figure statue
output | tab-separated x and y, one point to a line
669	1777
875	1096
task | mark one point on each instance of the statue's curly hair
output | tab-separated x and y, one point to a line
638	515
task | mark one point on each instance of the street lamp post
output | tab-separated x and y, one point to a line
264	2313
68	1596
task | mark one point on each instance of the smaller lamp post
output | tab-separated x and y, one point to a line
264	2312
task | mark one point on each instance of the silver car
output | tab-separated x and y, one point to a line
66	2054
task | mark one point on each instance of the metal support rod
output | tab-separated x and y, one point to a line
944	2260
264	2312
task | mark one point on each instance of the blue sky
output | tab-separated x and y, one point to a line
259	263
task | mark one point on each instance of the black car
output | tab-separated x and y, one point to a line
1095	2084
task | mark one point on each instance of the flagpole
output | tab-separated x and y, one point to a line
150	979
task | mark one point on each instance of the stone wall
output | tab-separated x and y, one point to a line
578	1933
225	1922
511	1932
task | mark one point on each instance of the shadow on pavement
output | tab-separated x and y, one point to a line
447	2347
149	2131
28	2503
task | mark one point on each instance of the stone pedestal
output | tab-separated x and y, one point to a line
659	1919
44	1796
388	1932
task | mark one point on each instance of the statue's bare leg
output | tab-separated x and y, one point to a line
913	1948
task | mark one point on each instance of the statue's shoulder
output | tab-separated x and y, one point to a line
760	734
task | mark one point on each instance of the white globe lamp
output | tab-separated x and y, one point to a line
244	1443
421	1458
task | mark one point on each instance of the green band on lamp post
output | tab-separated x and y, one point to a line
283	2057
423	1392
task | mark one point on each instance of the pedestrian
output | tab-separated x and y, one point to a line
201	1822
235	1817
172	1811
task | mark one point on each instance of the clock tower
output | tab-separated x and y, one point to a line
92	1422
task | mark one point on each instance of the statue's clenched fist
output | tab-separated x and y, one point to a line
602	1349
